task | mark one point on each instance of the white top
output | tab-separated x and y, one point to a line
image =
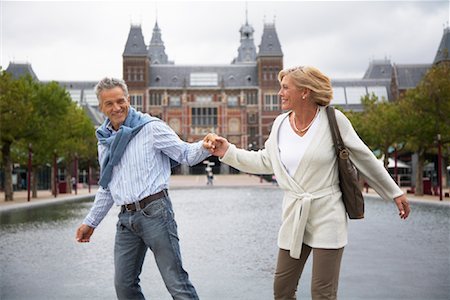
292	147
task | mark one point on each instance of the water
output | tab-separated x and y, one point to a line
228	243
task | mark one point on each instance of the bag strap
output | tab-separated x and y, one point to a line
335	133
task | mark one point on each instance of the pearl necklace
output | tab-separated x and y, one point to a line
309	125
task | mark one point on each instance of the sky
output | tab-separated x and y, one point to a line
84	40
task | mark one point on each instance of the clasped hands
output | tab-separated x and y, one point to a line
215	144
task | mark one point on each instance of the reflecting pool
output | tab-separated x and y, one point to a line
228	243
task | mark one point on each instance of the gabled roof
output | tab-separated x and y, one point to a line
228	76
443	50
94	114
135	45
409	76
270	45
379	69
18	70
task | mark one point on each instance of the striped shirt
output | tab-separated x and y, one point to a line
144	168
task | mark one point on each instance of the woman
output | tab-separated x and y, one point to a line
301	154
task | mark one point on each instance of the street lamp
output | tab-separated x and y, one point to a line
75	168
30	156
55	174
439	169
395	164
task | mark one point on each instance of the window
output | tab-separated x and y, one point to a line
175	100
204	116
204	79
203	98
155	99
379	91
135	74
251	119
252	134
232	101
251	97
338	96
75	95
271	102
136	102
354	94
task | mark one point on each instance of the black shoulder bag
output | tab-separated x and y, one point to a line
348	180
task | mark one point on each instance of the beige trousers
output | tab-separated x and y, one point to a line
325	273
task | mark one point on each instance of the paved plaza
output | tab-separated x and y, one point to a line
176	182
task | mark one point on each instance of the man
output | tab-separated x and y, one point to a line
134	152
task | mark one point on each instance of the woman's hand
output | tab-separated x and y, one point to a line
217	145
403	206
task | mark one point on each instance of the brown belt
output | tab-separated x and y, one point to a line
143	203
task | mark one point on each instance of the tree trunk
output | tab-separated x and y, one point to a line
7	163
386	158
419	174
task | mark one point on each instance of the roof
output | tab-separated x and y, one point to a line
18	70
94	114
379	69
135	45
228	76
442	53
409	76
81	85
270	45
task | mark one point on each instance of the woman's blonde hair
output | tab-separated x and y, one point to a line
311	78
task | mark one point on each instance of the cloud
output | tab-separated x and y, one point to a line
85	40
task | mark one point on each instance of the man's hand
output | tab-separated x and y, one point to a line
208	142
217	145
84	233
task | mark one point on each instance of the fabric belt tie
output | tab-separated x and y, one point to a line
302	208
138	205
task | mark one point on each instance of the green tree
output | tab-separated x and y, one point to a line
426	111
78	139
51	105
44	116
16	114
379	125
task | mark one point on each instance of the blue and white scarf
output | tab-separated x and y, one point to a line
117	143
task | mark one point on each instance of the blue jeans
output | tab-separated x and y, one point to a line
153	228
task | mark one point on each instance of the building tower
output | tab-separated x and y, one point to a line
136	67
442	54
247	49
269	64
156	49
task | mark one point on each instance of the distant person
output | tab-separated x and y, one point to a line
210	177
301	154
134	150
74	183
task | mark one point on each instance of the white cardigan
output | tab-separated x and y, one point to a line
312	211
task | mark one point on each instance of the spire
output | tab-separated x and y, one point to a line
135	45
443	50
270	45
156	49
18	70
247	49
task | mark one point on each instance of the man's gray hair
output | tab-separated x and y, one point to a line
108	83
